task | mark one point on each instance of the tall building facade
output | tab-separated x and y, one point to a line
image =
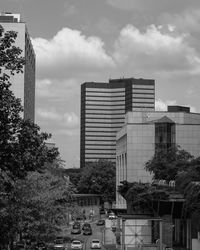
145	132
23	84
103	108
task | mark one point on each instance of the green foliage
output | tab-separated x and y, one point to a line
22	151
36	205
166	164
142	196
74	175
188	183
98	178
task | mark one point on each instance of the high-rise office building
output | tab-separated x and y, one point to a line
23	84
103	108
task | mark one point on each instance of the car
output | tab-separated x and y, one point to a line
40	246
76	231
77	244
87	231
59	244
95	244
102	211
100	222
112	216
19	245
86	225
76	228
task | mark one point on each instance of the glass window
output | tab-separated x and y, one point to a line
164	135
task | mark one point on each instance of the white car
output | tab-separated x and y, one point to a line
95	243
112	216
76	244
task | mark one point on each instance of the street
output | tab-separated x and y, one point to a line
86	239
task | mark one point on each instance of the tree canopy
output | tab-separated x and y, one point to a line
165	164
25	183
174	164
98	178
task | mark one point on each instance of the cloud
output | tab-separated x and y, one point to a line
154	50
153	6
161	105
70	51
65	120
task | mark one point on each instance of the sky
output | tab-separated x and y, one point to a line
76	41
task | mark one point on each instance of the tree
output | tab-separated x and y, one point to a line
98	178
38	205
166	164
22	145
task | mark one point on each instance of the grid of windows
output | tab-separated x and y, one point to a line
103	108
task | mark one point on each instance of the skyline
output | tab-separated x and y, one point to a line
90	40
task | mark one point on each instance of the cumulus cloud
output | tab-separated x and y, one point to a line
66	120
154	50
70	50
161	105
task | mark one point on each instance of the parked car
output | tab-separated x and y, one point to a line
87	231
100	222
77	244
59	244
95	244
40	246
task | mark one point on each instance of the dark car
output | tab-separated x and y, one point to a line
76	228
100	222
40	246
86	225
76	231
87	231
59	244
19	246
102	211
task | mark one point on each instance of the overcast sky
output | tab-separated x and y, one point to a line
93	40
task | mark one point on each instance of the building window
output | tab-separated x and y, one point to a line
164	135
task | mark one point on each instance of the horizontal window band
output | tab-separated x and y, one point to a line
104	105
86	136
105	109
110	118
103	99
95	122
104	92
87	154
99	141
90	159
143	103
106	96
142	97
107	114
102	145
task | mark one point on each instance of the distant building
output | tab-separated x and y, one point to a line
145	131
23	84
103	108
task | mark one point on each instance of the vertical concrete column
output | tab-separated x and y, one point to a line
123	234
161	235
188	226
